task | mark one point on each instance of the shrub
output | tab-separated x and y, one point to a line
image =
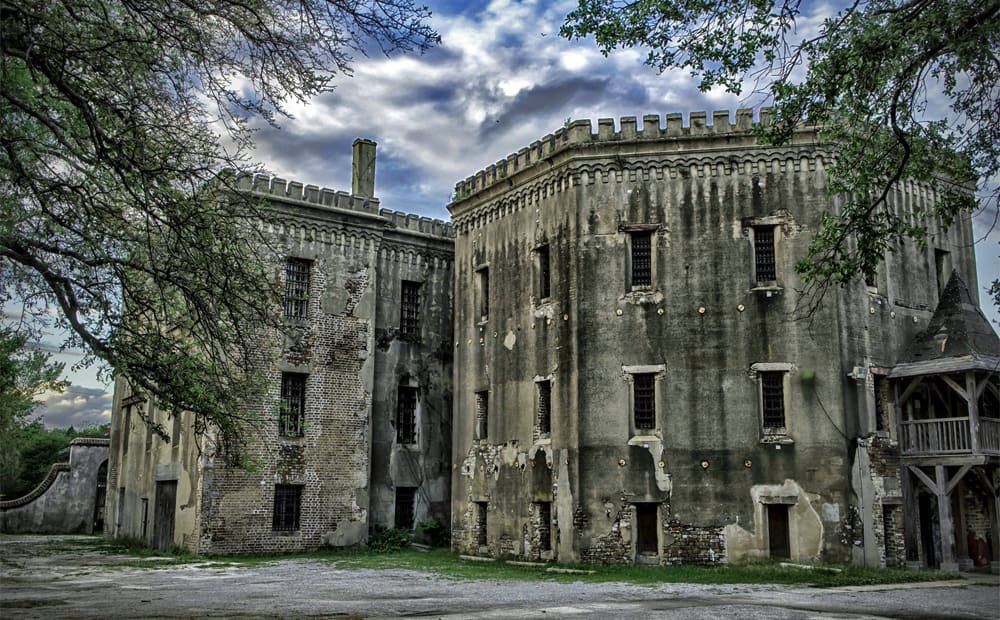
388	540
434	533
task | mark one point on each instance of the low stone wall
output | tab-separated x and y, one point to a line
63	503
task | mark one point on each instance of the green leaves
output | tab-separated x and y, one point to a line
904	89
117	118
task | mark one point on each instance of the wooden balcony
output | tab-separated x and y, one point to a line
949	436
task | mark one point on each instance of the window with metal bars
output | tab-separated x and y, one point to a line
763	251
543	415
406	415
642	258
287	507
644	401
482	414
292	412
544	525
296	288
409	311
405	497
544	275
772	390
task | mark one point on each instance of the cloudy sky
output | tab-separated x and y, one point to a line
501	79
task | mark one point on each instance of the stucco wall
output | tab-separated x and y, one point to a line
64	503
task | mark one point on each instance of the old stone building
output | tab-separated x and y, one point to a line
631	384
358	421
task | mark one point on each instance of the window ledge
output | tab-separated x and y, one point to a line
543	441
767	288
643	296
779	439
637	440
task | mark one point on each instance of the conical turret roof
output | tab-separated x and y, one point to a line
958	338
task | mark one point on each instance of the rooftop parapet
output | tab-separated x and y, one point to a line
649	127
293	190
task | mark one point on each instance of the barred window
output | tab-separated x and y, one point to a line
644	400
406	415
482	414
544	275
409	313
481	524
544	413
484	293
544	525
292	414
405	497
296	288
763	249
772	390
287	507
642	259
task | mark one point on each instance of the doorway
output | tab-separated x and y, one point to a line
777	531
646	541
163	519
927	509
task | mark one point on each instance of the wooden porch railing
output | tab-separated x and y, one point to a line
948	436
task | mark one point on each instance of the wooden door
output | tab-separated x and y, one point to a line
777	531
163	519
646	538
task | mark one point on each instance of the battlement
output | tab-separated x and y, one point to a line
653	127
293	190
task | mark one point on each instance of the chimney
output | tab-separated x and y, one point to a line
363	169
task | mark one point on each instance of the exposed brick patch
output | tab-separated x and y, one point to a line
691	544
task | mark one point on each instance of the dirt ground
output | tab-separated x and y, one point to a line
63	577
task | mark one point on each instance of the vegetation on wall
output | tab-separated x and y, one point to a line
906	89
117	118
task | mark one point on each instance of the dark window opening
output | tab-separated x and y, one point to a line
484	293
942	268
405	497
544	525
145	517
772	386
642	259
409	313
881	403
544	413
292	414
287	507
296	288
482	414
481	524
644	401
406	415
763	247
544	276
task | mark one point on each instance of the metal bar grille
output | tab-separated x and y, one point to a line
406	415
291	418
642	265
772	386
544	279
544	407
763	247
409	318
296	288
287	507
405	497
644	401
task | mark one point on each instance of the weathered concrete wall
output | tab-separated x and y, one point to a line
65	502
704	326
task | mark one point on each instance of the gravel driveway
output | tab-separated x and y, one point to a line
61	577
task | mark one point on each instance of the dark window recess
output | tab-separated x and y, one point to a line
544	275
287	507
484	293
406	415
296	288
642	259
404	507
544	413
544	526
772	386
644	401
881	396
763	251
292	414
482	414
481	524
409	313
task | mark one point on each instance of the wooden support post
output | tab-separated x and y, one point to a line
910	512
973	405
945	523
